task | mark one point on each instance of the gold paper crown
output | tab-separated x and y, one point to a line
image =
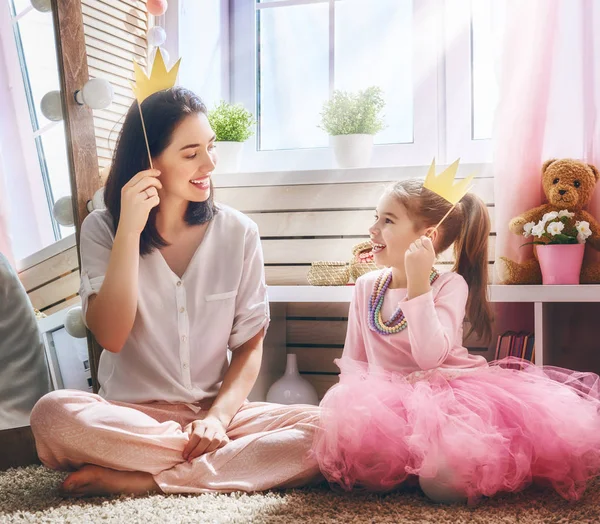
445	185
159	79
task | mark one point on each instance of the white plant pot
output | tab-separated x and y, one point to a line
292	388
229	157
352	150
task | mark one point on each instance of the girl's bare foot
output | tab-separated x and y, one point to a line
93	480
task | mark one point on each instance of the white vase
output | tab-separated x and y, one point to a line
229	157
292	388
352	150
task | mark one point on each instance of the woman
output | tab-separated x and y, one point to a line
170	281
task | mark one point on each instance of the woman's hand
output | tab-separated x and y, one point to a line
138	197
205	435
418	261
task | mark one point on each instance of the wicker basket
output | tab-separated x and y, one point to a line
362	262
329	274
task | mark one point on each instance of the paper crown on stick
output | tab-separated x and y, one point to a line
159	79
445	184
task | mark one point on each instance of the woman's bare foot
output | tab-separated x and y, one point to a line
93	480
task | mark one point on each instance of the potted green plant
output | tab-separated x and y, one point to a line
559	246
351	120
232	124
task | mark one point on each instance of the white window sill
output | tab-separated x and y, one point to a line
339	176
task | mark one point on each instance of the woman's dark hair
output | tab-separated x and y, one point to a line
162	111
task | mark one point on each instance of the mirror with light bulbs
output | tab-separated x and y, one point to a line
29	46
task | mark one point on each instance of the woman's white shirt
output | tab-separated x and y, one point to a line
177	348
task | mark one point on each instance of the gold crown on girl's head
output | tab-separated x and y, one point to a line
445	185
159	80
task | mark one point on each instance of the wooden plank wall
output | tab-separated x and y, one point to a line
115	36
306	223
53	283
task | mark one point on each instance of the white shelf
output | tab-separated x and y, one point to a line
581	293
310	293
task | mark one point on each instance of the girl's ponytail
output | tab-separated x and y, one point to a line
471	262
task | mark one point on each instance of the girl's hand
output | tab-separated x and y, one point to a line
138	197
418	261
205	435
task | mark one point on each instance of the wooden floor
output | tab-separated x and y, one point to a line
17	448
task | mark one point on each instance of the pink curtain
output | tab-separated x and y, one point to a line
591	94
548	107
526	71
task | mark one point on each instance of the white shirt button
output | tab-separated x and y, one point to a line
182	310
185	365
183	338
178	283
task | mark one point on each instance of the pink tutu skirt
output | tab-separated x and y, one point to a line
497	428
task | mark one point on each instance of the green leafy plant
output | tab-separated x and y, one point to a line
353	113
231	122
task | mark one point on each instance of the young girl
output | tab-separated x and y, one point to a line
411	399
171	281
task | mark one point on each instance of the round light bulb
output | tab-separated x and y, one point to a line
97	93
43	6
74	324
63	211
156	36
98	199
157	7
51	106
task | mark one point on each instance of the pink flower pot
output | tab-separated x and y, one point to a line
560	263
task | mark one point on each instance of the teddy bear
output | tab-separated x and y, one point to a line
568	184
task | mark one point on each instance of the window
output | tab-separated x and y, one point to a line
304	49
337	45
33	71
435	60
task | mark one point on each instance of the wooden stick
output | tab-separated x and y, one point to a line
440	222
145	135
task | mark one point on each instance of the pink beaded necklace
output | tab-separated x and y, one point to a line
397	322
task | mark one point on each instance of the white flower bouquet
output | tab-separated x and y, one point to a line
557	227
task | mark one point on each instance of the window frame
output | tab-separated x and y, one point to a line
458	71
449	132
244	90
37	131
28	131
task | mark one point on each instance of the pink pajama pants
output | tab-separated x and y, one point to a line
269	443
